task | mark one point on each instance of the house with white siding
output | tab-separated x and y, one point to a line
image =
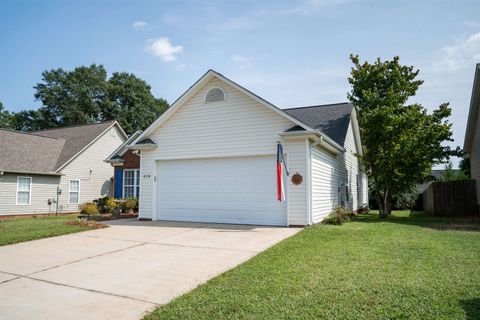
212	157
471	144
58	169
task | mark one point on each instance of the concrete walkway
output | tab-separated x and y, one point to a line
123	271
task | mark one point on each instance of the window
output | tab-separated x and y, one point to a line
131	183
215	95
113	132
74	191
24	190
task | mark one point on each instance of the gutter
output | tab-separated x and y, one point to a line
148	146
32	172
318	137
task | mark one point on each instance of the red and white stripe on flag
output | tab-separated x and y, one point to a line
280	164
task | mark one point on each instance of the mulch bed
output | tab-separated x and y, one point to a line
86	223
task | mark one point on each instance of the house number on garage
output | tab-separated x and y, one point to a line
297	179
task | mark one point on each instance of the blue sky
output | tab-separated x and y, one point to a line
292	53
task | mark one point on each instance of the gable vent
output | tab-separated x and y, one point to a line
214	95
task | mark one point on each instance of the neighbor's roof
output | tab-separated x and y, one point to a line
331	119
473	113
46	151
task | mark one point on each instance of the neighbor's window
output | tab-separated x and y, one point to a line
24	190
74	191
131	183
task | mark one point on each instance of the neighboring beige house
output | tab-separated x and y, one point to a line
212	157
472	135
34	164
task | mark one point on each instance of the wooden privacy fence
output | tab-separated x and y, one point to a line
453	198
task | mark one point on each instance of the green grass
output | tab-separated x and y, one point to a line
25	229
406	267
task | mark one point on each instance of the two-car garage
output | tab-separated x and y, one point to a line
223	190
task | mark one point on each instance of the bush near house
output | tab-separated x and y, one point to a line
132	204
338	216
89	208
116	206
102	204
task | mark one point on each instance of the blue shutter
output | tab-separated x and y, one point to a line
118	182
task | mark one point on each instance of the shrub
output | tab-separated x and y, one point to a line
102	204
111	205
122	205
89	208
338	216
132	204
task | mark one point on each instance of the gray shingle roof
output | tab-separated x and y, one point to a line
47	150
76	138
331	119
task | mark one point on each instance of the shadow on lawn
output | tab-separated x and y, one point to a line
472	308
422	220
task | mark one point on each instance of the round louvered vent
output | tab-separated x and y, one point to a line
214	95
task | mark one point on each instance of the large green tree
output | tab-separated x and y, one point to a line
87	95
5	118
131	102
401	141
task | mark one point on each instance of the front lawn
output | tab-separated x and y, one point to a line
24	229
407	267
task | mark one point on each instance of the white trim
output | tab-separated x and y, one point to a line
119	151
196	86
92	142
472	111
155	182
136	173
29	192
356	132
308	181
69	191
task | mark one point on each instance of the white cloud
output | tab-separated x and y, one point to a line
472	24
462	54
241	61
164	49
139	24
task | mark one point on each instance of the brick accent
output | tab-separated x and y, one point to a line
131	160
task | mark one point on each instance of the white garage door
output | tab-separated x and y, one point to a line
224	190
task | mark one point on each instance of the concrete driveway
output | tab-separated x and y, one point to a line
123	271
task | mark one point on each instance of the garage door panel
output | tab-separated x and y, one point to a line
227	190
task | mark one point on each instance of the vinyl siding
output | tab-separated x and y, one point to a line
297	195
239	126
43	188
475	156
330	172
96	184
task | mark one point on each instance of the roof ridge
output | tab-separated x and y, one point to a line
73	126
30	133
319	105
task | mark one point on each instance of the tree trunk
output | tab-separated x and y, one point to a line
384	204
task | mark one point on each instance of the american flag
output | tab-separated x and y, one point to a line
280	164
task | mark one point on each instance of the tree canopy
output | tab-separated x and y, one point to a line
401	141
5	117
86	95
